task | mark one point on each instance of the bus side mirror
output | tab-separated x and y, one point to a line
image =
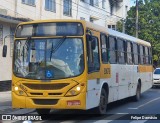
4	51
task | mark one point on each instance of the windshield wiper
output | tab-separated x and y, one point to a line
26	43
54	49
25	47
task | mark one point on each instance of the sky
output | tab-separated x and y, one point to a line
132	2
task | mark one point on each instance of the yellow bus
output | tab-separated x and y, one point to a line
74	64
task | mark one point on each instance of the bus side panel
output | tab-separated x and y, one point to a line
145	76
94	87
93	93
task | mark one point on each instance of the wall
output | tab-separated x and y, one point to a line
6	63
80	10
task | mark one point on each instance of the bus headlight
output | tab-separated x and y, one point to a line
75	91
16	88
78	88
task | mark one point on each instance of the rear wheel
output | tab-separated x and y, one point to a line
138	93
43	111
101	109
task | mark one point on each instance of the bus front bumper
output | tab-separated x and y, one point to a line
72	102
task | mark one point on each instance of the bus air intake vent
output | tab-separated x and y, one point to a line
52	94
46	86
36	93
45	101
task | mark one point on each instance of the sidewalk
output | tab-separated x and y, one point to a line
5	96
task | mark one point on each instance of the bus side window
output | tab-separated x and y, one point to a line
121	51
135	53
93	56
141	54
129	53
112	50
104	49
146	55
149	56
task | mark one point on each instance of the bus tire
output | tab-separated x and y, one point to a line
102	108
43	111
138	93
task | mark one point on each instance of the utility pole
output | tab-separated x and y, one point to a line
136	18
124	21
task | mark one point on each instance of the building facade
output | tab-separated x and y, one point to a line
102	12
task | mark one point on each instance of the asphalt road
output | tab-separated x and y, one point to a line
123	111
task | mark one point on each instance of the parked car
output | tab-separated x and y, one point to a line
156	77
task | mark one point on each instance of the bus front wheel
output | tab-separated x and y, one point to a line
43	111
101	109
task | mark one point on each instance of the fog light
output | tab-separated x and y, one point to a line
16	88
73	92
78	88
21	92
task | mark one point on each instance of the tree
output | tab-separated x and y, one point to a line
149	24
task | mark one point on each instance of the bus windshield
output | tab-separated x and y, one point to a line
54	58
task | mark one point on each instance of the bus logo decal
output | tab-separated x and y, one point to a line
49	74
107	71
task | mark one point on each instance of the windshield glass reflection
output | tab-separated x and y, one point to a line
48	58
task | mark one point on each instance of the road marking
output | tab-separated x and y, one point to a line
111	118
146	103
132	108
138	121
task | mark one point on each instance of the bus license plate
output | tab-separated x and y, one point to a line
73	102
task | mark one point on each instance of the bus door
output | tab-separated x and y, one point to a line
93	59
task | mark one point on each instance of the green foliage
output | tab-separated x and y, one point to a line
149	24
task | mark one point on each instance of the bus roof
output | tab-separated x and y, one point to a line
96	28
51	20
116	34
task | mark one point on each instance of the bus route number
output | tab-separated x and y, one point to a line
107	71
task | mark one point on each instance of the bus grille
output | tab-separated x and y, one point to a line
45	101
41	94
36	94
46	86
